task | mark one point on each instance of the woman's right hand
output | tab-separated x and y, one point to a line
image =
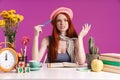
37	29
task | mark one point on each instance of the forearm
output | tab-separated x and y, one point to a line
81	51
35	48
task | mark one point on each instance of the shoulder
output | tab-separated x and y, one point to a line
45	41
46	38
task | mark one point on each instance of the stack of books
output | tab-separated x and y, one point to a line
111	62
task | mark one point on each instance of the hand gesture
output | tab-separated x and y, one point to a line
37	29
84	31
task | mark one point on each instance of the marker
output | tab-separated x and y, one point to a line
46	22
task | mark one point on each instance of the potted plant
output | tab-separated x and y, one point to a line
93	52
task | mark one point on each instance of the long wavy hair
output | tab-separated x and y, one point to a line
54	38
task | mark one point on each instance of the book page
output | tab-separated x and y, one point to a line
62	64
71	65
54	65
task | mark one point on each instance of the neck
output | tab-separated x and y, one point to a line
63	33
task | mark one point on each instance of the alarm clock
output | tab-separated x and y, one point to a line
8	59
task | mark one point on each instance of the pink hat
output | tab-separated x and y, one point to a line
60	10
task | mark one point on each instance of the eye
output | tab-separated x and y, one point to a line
58	20
65	20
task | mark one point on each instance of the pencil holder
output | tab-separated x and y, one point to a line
22	58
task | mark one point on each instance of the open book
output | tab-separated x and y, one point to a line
62	64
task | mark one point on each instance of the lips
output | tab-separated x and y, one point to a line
62	27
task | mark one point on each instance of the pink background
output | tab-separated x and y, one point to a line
104	15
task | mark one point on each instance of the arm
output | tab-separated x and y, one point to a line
80	52
37	54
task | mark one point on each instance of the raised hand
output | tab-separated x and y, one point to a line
84	31
37	29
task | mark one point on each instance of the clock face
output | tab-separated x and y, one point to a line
8	59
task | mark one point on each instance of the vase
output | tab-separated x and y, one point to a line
90	57
10	41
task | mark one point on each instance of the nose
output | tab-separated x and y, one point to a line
62	22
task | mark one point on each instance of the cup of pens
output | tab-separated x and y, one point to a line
23	58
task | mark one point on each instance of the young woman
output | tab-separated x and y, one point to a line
64	45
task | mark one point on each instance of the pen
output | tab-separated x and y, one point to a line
46	22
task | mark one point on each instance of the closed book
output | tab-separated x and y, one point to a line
108	69
112	55
113	63
112	67
109	58
62	65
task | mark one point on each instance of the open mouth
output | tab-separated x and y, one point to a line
62	27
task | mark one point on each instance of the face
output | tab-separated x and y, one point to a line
62	23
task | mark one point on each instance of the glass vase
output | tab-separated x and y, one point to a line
10	41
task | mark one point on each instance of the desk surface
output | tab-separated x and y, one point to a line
59	74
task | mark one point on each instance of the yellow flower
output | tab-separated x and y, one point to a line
4	14
10	23
18	17
15	20
11	15
2	23
10	20
21	18
12	11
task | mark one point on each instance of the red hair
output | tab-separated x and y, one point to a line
54	39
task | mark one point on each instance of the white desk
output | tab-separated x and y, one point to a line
59	74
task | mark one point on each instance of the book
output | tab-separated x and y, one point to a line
62	65
112	55
113	63
109	69
110	66
109	58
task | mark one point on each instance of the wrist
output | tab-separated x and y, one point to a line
80	37
36	34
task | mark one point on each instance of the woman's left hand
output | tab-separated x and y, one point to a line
84	31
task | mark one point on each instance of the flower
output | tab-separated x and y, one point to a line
10	23
2	23
25	40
